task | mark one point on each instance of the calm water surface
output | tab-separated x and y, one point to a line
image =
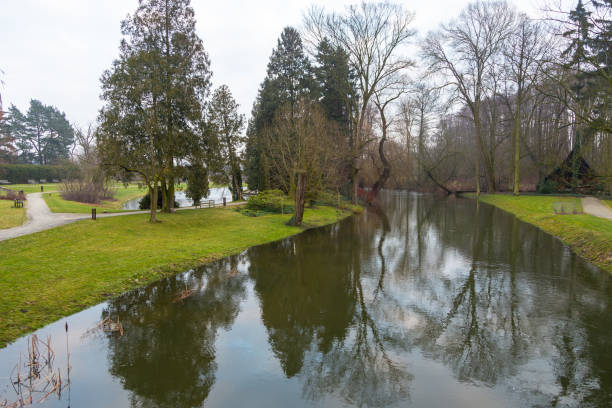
428	302
215	193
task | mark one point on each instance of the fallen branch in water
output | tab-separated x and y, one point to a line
107	326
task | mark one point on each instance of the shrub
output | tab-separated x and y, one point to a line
12	195
547	187
270	201
85	192
21	173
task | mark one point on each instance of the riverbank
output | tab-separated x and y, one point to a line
589	236
54	273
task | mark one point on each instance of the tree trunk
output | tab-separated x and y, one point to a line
386	173
153	194
477	152
299	198
164	193
170	194
517	147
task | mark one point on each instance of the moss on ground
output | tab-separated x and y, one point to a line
54	273
589	236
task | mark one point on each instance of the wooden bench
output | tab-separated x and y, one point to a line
205	204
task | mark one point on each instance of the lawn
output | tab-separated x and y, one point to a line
589	236
32	188
9	216
55	273
122	194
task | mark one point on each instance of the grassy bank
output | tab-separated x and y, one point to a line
122	194
589	236
9	216
54	273
32	188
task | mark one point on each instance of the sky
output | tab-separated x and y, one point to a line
56	50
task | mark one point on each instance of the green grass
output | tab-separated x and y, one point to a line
589	236
608	203
122	194
32	188
9	216
54	273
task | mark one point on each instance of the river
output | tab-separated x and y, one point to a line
426	302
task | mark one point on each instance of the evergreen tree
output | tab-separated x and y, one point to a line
42	136
337	95
155	95
289	79
228	125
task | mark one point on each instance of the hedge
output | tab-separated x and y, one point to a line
21	173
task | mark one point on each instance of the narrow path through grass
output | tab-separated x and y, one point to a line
54	273
589	236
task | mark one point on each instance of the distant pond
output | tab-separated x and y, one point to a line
425	302
216	194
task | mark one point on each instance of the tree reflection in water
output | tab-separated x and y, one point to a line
349	310
167	355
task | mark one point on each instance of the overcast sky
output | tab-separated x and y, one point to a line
56	50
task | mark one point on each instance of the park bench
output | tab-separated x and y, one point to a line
208	203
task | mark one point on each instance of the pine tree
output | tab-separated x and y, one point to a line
289	78
155	96
43	135
228	125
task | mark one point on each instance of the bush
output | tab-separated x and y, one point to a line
270	201
12	195
85	192
547	187
21	173
145	202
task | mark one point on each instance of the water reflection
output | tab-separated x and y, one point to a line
167	356
421	302
348	308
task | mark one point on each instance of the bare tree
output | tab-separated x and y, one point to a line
462	52
300	147
373	35
524	56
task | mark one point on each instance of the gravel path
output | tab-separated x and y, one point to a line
593	206
41	218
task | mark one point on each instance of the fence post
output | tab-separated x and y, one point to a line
93	214
224	201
